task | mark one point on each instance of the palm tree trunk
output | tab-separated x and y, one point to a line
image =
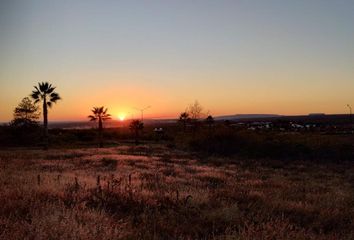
45	123
136	137
100	129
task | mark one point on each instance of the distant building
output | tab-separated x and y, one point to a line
297	126
158	130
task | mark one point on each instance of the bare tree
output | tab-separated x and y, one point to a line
195	112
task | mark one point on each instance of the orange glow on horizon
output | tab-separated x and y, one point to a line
121	117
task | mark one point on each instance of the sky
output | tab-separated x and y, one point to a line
234	57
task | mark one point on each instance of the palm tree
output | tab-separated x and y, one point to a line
45	92
100	114
136	126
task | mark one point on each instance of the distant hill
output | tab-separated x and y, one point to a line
246	116
310	118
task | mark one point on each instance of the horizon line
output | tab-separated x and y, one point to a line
216	116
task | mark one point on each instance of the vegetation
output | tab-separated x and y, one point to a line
184	119
225	141
100	114
26	113
152	192
136	126
210	121
45	93
195	111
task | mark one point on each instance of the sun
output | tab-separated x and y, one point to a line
121	116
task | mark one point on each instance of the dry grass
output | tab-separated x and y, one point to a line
156	193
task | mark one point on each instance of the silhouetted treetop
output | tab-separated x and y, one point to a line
45	92
195	111
26	113
99	113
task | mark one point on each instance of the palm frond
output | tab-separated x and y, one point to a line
54	97
35	95
41	87
49	104
94	110
36	91
50	89
45	87
37	88
92	118
106	117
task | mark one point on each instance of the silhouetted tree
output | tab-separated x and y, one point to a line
100	114
184	119
26	113
195	113
136	126
210	121
45	92
24	127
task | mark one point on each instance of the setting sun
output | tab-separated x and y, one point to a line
121	117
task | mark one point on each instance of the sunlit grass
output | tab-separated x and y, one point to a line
140	193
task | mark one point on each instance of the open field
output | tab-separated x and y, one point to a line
176	120
152	192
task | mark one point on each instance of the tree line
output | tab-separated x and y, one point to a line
27	114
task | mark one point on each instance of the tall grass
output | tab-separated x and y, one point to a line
112	194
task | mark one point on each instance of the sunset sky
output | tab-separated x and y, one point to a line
237	56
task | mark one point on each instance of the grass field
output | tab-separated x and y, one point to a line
153	192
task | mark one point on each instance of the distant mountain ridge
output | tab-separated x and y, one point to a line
313	118
246	116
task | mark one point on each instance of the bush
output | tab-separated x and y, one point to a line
227	142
